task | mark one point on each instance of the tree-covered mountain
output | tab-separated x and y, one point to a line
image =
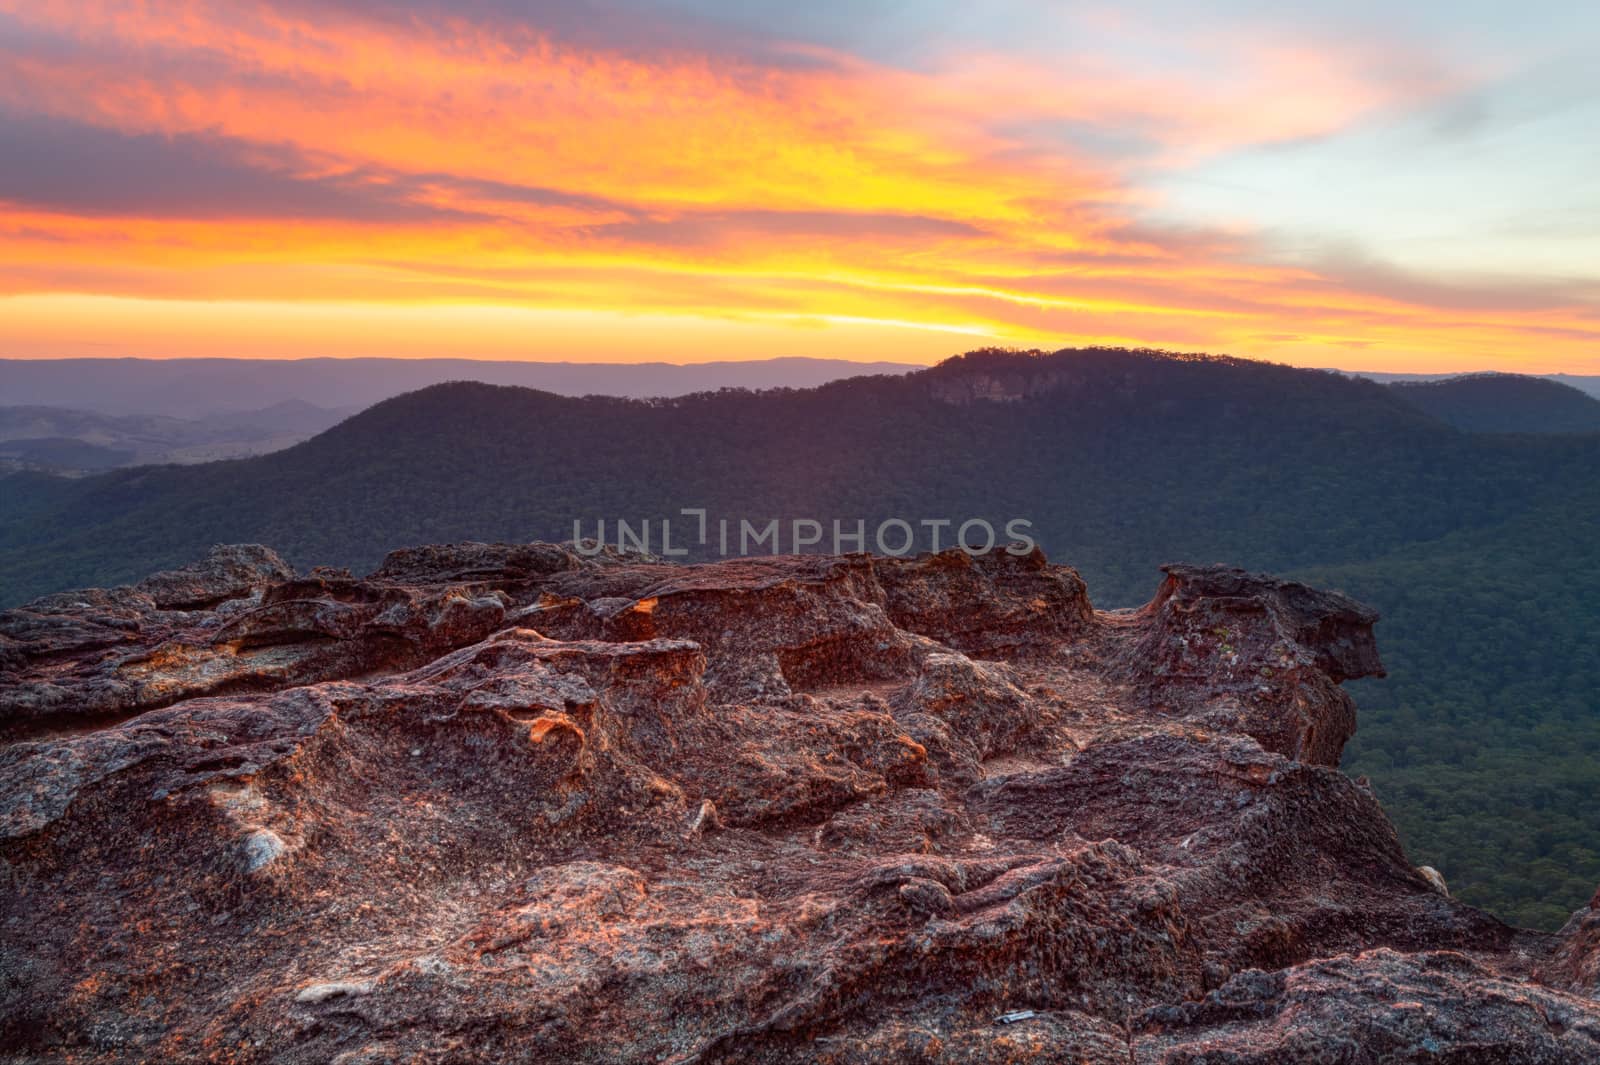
1121	459
1504	403
1479	547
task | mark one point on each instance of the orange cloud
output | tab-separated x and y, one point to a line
800	202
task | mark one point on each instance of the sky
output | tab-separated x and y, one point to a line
1405	186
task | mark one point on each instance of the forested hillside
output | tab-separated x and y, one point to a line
1504	403
1122	460
1478	548
1484	742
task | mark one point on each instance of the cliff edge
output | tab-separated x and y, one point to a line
507	803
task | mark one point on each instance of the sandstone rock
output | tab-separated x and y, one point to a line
512	803
472	562
1242	652
230	571
290	632
318	993
986	604
1379	1006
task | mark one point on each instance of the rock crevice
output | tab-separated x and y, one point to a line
501	803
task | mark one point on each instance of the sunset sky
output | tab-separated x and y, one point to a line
1410	187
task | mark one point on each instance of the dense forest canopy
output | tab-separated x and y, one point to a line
1504	403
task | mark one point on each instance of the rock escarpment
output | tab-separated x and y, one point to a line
501	803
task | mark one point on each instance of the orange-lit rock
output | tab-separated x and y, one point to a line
507	803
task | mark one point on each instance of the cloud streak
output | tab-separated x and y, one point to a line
628	160
67	167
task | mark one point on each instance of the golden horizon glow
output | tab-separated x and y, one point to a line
349	185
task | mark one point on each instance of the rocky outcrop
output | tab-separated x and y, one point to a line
220	627
501	803
1249	653
228	572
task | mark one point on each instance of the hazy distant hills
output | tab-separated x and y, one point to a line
1586	384
1480	547
1504	403
76	416
195	388
1590	385
55	439
1123	459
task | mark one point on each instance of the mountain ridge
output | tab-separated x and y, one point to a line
200	387
1505	403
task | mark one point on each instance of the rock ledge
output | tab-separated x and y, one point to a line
506	803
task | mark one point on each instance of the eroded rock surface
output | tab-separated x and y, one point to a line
510	803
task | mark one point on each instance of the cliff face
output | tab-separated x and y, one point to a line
503	803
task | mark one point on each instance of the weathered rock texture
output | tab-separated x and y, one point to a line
510	804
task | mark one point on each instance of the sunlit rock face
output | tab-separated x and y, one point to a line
507	803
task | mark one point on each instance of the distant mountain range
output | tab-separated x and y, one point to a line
1589	384
1308	462
77	441
80	416
1504	403
1479	547
1254	463
197	388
